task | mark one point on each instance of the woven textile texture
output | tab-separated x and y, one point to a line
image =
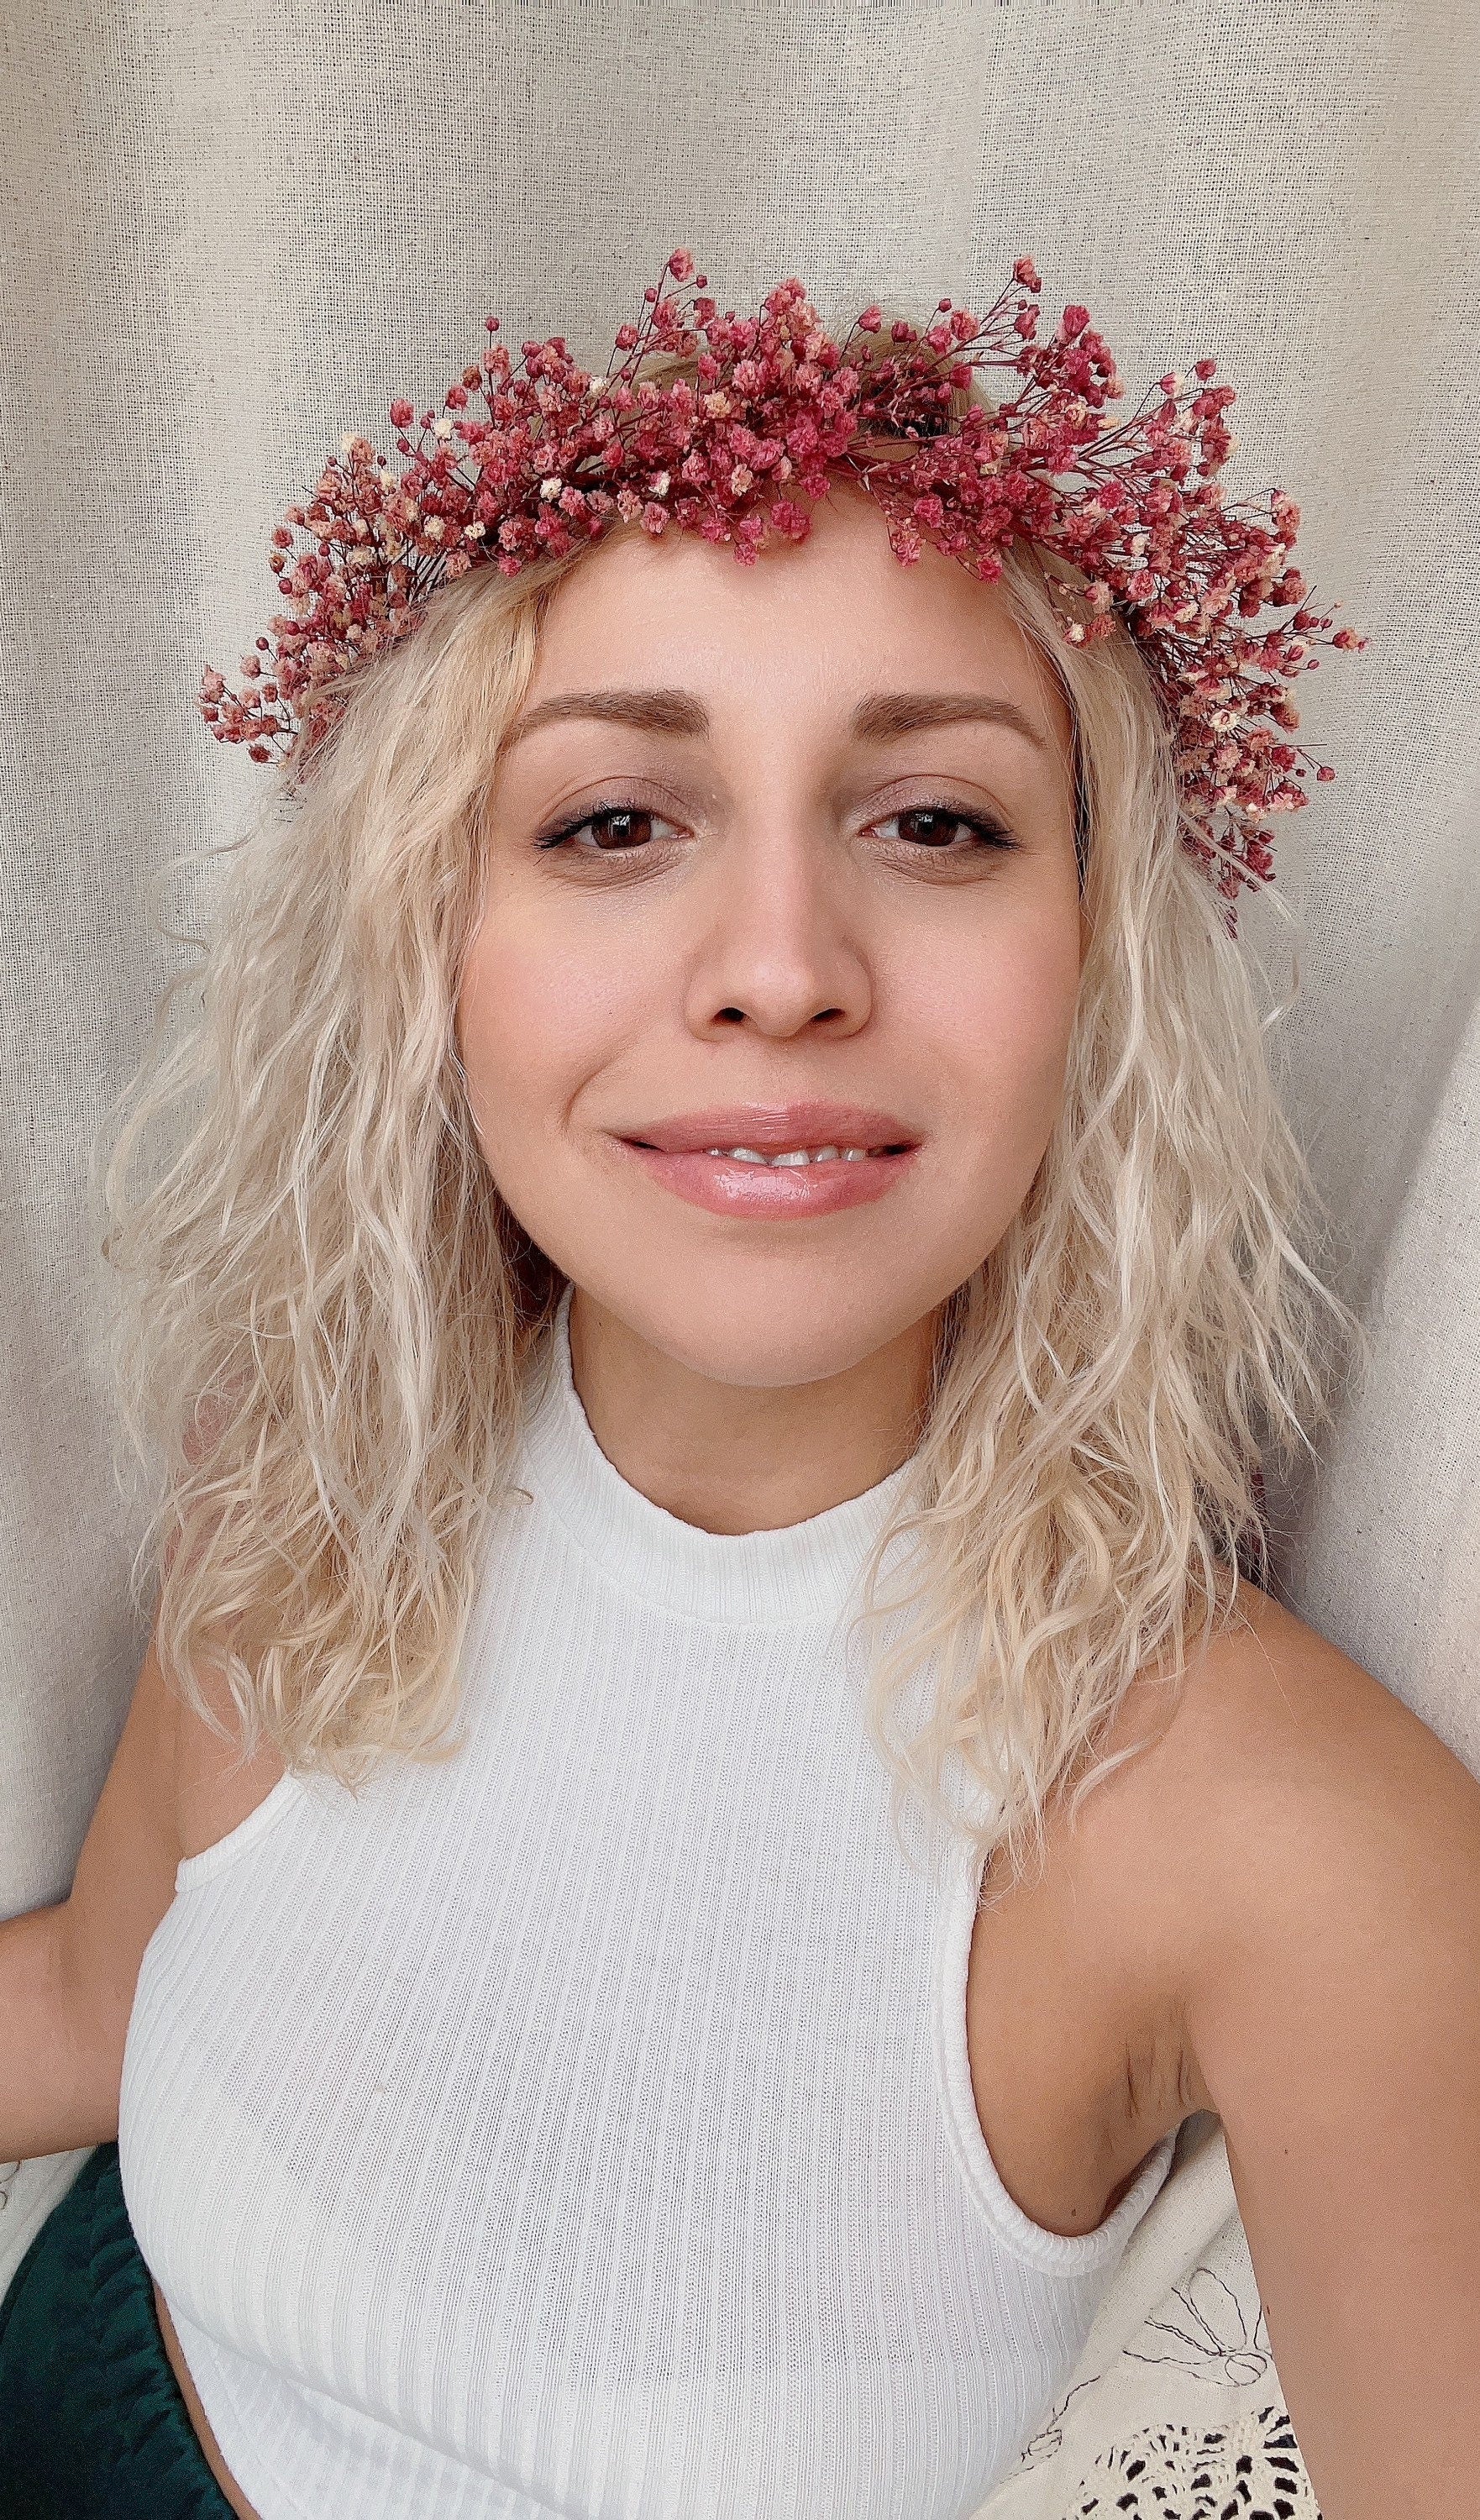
234	234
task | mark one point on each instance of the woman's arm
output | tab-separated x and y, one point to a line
1332	2009
67	1973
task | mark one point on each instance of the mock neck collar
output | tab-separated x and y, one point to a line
804	1570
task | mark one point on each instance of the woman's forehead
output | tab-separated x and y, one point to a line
824	620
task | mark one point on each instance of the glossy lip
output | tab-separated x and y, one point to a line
772	1127
674	1154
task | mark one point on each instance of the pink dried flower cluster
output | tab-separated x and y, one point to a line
774	411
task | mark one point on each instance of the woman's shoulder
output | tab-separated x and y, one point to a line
1328	1848
1271	1793
215	1788
1292	1816
1276	1723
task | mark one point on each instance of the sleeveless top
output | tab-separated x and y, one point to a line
584	2127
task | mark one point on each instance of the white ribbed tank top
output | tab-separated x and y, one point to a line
584	2127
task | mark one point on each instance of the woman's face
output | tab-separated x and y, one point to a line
780	859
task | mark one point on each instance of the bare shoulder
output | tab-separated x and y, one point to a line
1271	1717
1260	1869
1308	1827
216	1788
1320	1925
1276	1729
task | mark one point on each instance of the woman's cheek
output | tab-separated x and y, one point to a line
1009	1013
537	1023
505	1031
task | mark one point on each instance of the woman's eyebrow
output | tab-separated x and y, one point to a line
879	719
654	712
886	714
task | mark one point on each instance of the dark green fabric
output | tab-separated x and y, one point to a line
92	2422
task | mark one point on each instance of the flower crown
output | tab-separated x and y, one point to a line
774	409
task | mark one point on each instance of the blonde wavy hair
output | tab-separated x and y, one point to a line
329	1307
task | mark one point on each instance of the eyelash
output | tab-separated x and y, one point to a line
990	835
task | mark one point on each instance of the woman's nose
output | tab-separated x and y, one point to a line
779	946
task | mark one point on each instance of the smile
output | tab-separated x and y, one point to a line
789	1183
798	1154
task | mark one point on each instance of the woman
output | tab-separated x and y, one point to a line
734	1106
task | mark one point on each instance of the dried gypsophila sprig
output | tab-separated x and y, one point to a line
776	407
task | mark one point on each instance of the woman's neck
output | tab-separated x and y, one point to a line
740	1457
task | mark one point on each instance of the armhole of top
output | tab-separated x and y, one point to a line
1054	2253
215	1858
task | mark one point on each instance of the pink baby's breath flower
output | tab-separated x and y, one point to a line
555	454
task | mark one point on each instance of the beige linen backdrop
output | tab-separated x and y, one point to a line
234	232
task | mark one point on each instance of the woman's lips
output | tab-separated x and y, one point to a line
729	1186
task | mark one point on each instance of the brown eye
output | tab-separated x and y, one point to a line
612	829
927	824
619	827
935	827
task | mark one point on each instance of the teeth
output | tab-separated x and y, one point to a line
793	1155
